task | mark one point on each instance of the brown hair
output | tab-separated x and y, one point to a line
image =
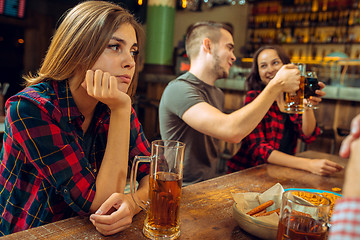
253	81
81	38
200	30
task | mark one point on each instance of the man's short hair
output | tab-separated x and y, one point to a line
200	30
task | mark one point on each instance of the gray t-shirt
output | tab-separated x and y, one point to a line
201	151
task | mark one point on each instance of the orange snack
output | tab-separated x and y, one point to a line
267	213
260	207
256	214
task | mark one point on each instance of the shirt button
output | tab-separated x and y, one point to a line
94	170
65	191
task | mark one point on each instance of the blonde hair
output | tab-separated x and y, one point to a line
81	38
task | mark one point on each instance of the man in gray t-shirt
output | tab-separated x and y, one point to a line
191	107
181	94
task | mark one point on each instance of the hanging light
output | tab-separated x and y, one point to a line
140	2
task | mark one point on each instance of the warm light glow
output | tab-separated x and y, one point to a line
324	7
278	23
351	21
21	41
140	2
249	60
184	3
315	6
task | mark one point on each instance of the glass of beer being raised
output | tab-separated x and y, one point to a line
166	176
294	101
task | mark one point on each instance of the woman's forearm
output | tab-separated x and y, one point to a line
308	122
112	174
283	159
142	193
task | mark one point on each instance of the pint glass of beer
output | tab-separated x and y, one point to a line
294	100
166	176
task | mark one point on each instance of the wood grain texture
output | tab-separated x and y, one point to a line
206	207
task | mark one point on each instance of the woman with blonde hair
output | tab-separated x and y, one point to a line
70	133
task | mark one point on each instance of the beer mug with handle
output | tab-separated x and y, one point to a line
166	176
303	215
294	100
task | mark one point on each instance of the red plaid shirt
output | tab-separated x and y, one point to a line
45	176
345	221
257	146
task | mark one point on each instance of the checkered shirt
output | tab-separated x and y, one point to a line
44	173
345	221
257	146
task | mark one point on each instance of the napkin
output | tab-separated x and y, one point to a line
247	201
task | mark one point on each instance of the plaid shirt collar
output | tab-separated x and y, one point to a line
69	110
66	101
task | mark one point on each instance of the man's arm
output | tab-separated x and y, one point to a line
235	126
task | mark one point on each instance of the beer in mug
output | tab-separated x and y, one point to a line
166	176
294	101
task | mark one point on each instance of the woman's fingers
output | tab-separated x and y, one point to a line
345	146
116	221
100	84
89	81
330	169
112	231
325	167
321	85
105	83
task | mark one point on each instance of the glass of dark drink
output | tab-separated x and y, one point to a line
301	219
311	85
166	176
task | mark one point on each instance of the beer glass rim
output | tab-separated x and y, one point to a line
168	143
307	205
309	73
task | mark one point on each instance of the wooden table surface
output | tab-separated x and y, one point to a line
206	207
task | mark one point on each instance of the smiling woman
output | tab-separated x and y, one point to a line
275	138
71	134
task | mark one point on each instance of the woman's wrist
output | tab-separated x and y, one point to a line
123	104
122	110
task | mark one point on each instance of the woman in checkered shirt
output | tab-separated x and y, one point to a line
71	134
274	140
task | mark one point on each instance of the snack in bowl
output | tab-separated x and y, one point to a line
261	214
255	226
260	208
332	196
263	224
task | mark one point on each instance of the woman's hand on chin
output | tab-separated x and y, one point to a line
104	87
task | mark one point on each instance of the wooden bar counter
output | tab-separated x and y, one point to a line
206	207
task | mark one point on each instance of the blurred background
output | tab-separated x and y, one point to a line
324	34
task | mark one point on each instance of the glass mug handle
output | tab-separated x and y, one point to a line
137	160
